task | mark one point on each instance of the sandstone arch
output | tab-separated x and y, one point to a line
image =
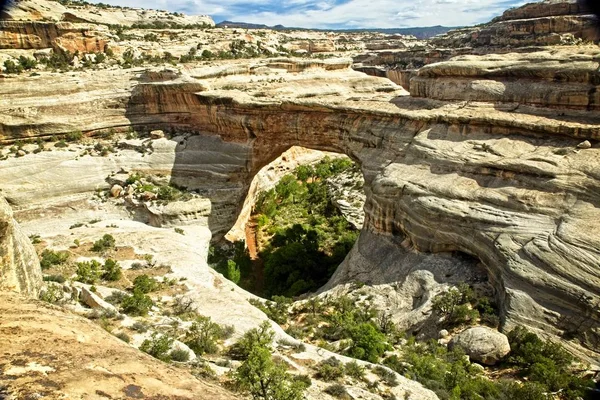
440	177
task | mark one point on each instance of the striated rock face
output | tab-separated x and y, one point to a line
60	36
19	265
83	360
537	79
549	22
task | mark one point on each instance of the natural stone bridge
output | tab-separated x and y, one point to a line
506	182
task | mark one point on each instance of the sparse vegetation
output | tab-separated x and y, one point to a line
51	258
203	336
106	243
136	304
158	346
262	377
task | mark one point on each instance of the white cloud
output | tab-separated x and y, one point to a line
338	13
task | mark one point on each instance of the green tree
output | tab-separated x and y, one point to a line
88	271
112	270
264	379
233	272
203	335
137	304
10	67
145	284
367	342
257	337
158	346
107	242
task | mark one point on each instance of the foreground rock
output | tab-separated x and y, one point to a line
482	344
48	353
19	265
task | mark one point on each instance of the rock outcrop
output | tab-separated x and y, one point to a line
482	344
61	36
19	265
522	30
35	10
50	353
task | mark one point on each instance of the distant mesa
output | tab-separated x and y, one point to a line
418	32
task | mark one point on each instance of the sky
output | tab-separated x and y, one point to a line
337	14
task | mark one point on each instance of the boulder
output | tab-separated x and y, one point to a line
157	135
116	190
584	145
482	344
94	301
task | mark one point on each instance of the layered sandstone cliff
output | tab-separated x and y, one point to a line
522	30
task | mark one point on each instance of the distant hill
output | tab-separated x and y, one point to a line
419	32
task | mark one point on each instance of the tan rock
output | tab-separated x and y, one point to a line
116	190
157	135
19	265
584	145
94	301
102	363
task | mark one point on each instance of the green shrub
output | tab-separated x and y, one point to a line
52	294
388	376
137	304
116	297
354	370
257	337
454	306
54	278
338	391
277	310
52	258
233	272
264	379
140	326
112	270
124	337
330	369
203	335
106	243
158	346
545	363
180	355
88	271
61	144
10	67
27	63
367	342
145	284
74	136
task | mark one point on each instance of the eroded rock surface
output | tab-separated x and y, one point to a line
19	265
47	352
